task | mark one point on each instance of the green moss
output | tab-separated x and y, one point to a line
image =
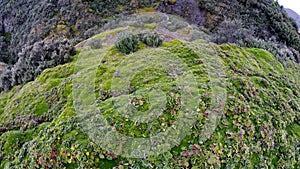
65	114
258	126
171	43
59	72
294	129
5	97
107	163
13	140
150	26
10	142
41	107
267	60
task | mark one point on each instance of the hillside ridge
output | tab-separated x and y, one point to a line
51	122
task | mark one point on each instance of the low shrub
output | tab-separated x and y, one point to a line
127	42
231	31
281	51
151	39
5	79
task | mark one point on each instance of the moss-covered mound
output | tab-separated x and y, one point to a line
229	107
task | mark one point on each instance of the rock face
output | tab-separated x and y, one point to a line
2	66
191	104
188	9
294	15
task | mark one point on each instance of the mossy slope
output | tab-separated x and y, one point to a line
259	127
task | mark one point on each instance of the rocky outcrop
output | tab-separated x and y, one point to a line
188	9
2	66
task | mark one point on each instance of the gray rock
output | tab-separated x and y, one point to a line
2	66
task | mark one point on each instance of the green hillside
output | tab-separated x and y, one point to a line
40	34
187	104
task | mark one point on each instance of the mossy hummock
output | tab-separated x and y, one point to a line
258	127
